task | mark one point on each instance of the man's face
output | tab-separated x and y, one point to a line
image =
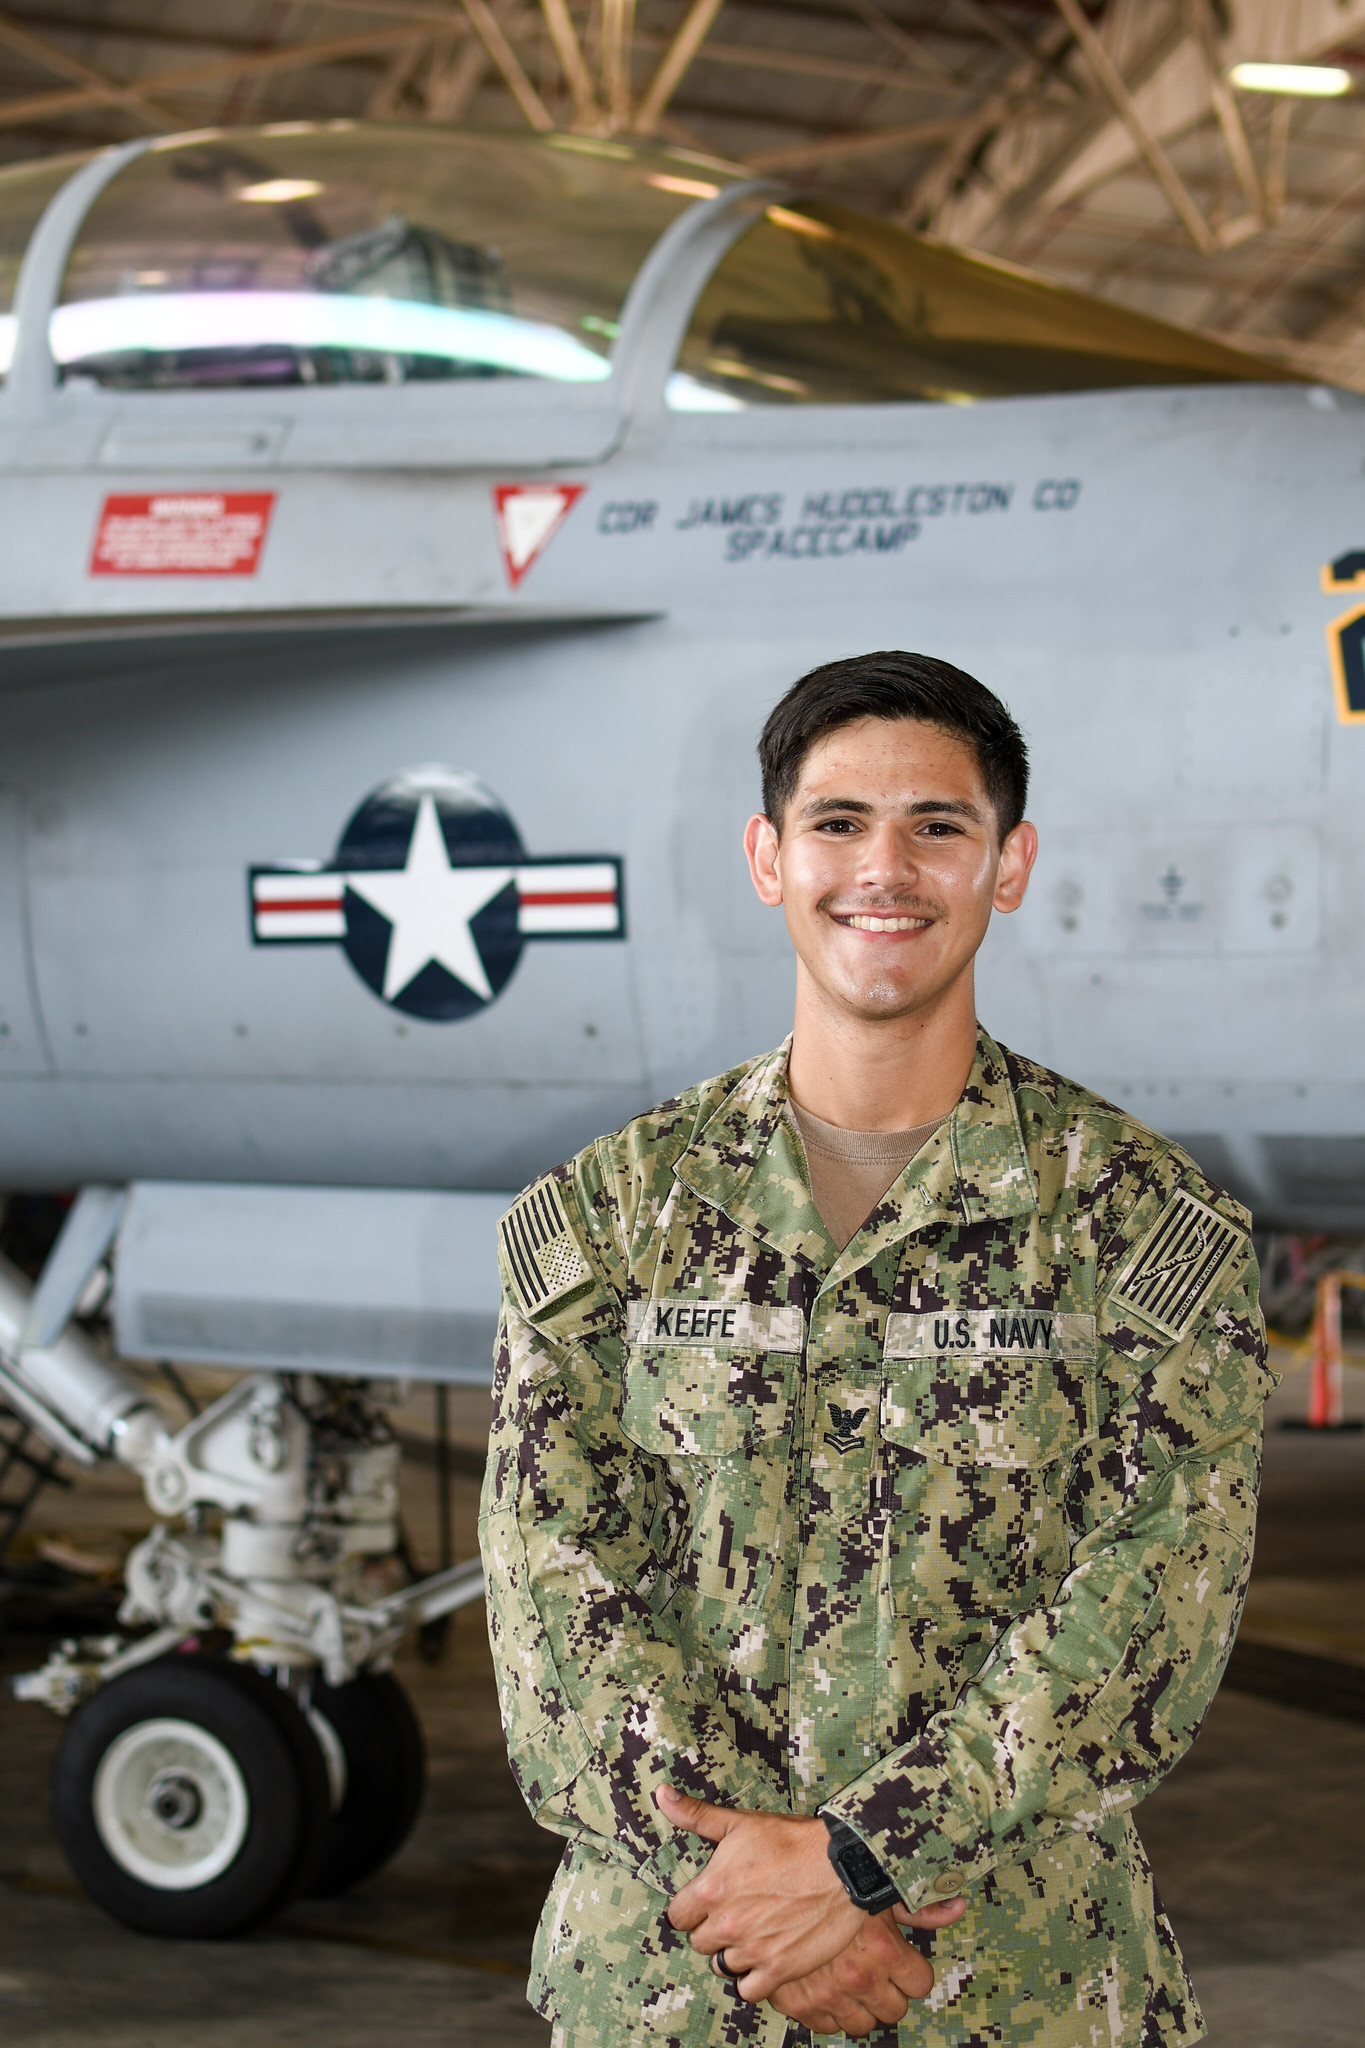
888	865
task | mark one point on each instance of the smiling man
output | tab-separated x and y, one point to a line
872	1484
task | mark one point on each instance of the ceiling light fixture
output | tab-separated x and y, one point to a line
279	191
783	217
688	188
1310	81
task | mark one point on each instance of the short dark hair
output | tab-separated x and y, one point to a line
893	684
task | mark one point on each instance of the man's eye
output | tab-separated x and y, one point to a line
836	825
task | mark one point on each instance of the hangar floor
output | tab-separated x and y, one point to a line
1255	1837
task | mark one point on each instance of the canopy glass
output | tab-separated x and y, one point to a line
816	304
304	254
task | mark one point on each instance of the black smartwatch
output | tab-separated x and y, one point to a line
862	1877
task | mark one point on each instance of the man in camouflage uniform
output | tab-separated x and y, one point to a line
925	1552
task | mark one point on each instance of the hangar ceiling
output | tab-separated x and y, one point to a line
1096	141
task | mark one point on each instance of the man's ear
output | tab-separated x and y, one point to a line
763	849
1017	856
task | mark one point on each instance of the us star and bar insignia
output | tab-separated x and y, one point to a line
569	897
432	896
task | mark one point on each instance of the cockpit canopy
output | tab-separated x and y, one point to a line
337	254
340	255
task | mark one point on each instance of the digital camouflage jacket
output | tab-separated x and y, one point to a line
946	1534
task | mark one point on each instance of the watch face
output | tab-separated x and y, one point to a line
863	1869
862	1876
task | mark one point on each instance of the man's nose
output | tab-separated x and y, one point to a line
889	856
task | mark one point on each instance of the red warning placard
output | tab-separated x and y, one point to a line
182	533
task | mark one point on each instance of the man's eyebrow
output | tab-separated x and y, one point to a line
928	807
945	806
821	806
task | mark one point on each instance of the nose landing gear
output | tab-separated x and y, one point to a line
191	1797
195	1794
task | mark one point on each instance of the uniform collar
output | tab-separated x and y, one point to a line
745	1161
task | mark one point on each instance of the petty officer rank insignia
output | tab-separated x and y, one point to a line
1175	1265
543	1258
848	1427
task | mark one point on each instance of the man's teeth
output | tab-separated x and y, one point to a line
886	924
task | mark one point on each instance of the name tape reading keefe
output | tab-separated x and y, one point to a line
741	1324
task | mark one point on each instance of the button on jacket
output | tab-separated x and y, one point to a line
945	1534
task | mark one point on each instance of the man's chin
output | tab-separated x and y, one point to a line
883	1000
877	992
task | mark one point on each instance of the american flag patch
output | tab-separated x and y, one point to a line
542	1252
1176	1264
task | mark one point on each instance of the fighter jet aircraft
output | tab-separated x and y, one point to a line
406	535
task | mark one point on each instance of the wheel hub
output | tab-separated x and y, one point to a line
174	1798
171	1804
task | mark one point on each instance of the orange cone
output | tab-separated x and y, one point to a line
1324	1388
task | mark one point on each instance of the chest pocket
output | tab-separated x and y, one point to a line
981	1414
706	1379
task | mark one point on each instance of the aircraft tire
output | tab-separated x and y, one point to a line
372	1722
191	1798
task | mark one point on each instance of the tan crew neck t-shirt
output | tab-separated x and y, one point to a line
850	1171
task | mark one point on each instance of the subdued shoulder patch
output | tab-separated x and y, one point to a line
542	1253
1175	1265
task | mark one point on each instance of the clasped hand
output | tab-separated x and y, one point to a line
772	1901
